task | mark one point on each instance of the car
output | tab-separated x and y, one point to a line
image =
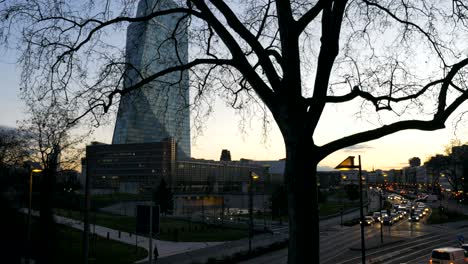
387	220
418	213
447	255
376	216
414	218
383	213
368	220
395	217
401	214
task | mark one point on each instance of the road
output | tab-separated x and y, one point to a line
404	242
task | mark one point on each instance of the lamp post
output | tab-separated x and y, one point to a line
28	233
252	177
348	164
381	222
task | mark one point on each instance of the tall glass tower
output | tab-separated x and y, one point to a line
160	109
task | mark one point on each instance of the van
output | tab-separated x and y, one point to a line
447	255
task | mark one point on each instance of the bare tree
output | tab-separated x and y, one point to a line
403	62
53	144
446	165
13	147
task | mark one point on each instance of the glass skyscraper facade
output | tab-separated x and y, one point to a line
159	109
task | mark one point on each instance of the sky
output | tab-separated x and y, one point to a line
222	132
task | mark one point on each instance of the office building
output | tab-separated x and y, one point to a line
129	168
160	108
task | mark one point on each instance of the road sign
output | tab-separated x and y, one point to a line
143	220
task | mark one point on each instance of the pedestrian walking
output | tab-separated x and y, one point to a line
155	253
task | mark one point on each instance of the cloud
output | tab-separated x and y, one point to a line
358	148
324	168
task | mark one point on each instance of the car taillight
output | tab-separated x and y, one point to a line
430	261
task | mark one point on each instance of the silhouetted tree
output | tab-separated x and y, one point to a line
402	63
14	147
279	201
446	165
352	191
48	130
163	197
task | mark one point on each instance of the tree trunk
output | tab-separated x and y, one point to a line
301	184
46	218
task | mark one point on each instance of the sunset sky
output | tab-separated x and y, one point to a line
222	132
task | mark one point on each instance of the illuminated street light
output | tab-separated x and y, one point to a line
252	177
28	232
348	164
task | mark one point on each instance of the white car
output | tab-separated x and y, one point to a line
447	255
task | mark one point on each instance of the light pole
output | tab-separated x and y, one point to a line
348	164
252	177
28	233
381	222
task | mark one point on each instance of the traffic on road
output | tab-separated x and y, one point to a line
396	231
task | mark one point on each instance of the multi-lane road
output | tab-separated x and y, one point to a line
404	242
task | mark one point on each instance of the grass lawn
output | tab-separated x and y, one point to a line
69	249
438	217
170	229
333	207
103	200
327	208
103	251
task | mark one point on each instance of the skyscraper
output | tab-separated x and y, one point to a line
159	109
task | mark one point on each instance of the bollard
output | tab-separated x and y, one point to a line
119	233
107	235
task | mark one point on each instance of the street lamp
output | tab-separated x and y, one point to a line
381	222
348	164
252	177
28	233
